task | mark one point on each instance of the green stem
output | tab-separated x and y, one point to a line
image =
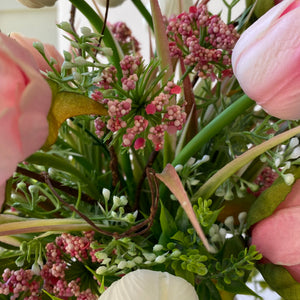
213	128
97	23
215	181
144	12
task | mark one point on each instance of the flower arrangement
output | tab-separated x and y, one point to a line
122	178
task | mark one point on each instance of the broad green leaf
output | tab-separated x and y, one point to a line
239	287
280	280
267	202
66	105
167	223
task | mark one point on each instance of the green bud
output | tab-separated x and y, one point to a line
68	56
39	47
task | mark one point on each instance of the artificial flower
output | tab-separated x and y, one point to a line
150	285
37	3
275	236
25	100
50	52
266	61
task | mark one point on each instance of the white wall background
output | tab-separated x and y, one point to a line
40	23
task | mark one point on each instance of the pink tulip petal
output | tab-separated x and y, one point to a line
265	62
25	100
293	198
277	237
294	271
10	148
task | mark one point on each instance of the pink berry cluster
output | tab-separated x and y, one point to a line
138	118
53	272
52	276
264	180
124	36
202	41
20	282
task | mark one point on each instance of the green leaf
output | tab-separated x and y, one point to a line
239	287
267	202
65	105
168	225
280	280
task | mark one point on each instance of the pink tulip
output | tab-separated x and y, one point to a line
277	236
25	100
266	60
50	51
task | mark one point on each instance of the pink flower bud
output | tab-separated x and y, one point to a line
275	236
266	60
25	100
50	51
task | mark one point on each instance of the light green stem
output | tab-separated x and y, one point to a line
223	174
11	225
213	128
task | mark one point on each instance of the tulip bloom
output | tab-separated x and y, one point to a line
266	60
150	285
37	3
50	51
276	237
25	100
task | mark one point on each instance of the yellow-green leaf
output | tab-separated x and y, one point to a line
66	105
280	280
267	202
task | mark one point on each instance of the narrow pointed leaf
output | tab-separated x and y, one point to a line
171	179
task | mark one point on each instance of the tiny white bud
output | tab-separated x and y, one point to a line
106	193
149	256
229	222
294	142
101	270
160	259
191	161
295	154
138	260
157	247
176	253
288	178
130	264
101	255
242	217
122	264
178	168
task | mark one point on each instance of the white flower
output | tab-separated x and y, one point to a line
150	285
37	3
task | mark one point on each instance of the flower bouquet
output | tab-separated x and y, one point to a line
169	178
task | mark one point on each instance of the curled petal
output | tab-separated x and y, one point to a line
150	285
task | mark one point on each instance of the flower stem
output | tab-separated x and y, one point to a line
97	23
213	128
